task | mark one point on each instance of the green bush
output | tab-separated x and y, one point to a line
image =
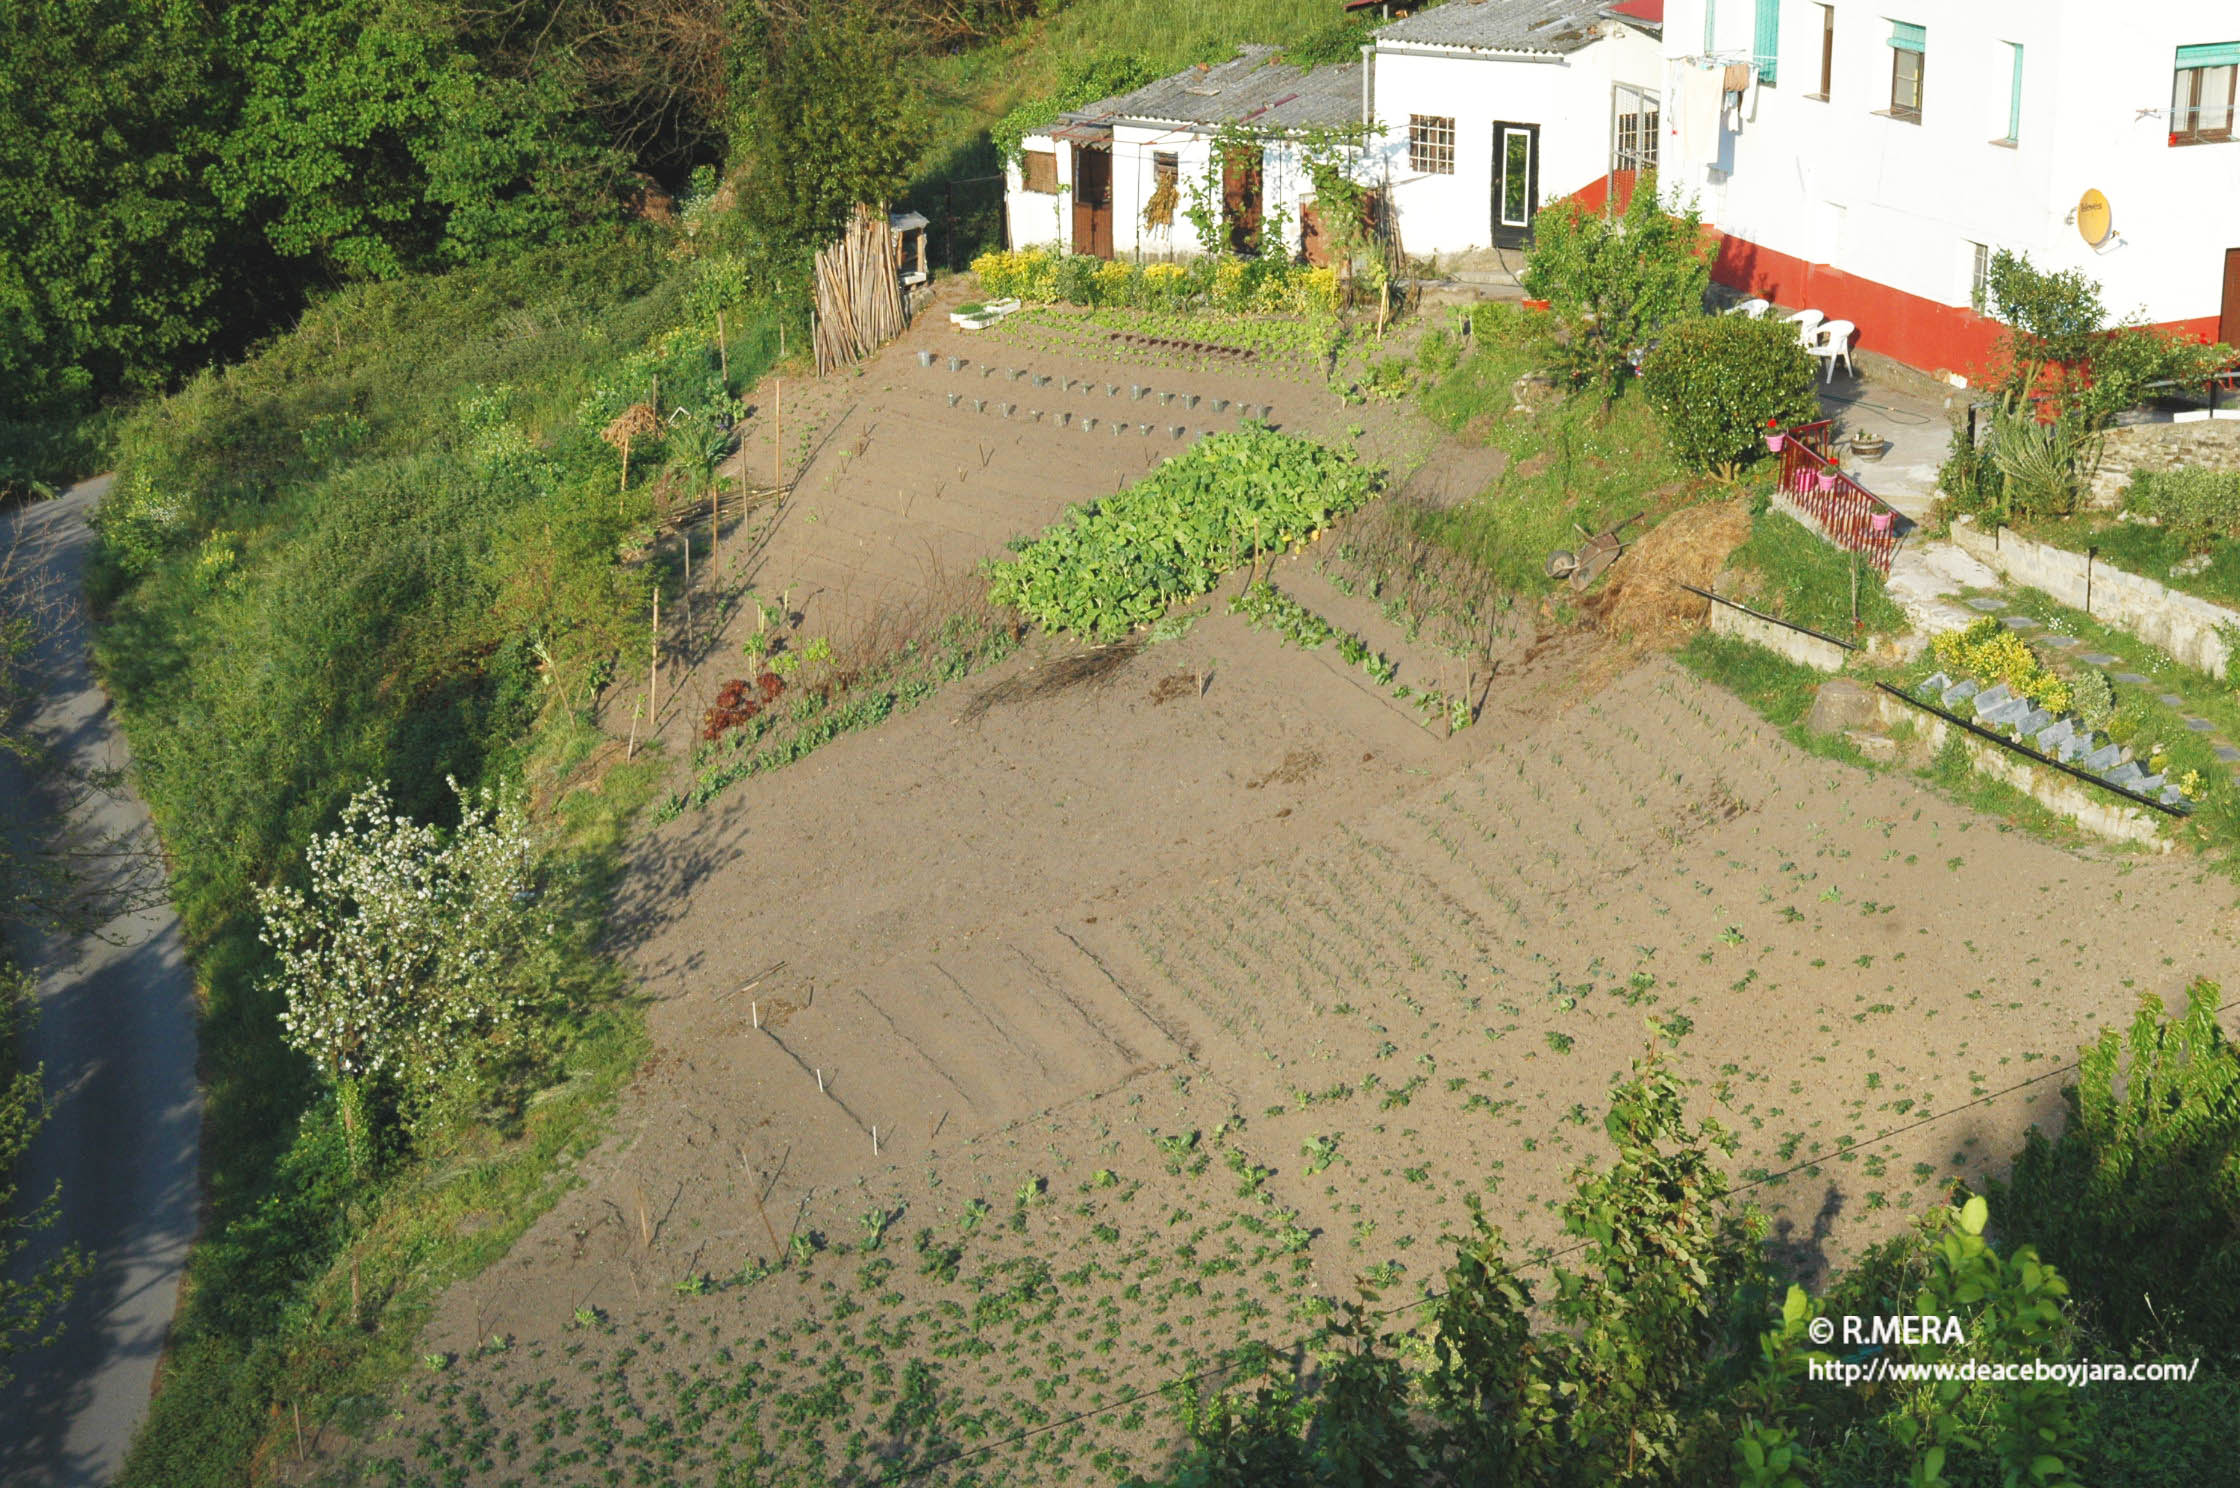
1718	379
2196	505
1118	563
2138	1199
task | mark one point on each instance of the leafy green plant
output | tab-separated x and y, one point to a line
1081	80
1120	562
1721	380
1614	283
2197	505
2138	1198
2092	697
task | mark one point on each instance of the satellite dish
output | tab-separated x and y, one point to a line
2095	222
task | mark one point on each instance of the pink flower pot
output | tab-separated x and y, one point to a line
1880	524
1824	481
1774	443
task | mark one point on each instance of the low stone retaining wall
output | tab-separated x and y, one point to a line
1796	645
2095	811
2191	629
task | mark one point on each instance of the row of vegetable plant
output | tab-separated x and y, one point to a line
1264	285
1265	607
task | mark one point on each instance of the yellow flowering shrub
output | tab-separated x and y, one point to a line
1026	274
1114	282
1989	652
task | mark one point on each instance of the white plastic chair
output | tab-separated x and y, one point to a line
1807	323
1833	341
1751	309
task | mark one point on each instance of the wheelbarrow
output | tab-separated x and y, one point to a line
1596	553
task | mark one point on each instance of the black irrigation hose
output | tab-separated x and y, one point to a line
1761	615
2031	754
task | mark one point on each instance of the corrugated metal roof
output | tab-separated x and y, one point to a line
1250	88
1552	27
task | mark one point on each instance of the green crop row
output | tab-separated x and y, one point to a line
1266	607
1115	564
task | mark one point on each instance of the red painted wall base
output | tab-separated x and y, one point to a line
1921	333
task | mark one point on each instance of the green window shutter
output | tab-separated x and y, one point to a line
2216	54
2014	96
1907	37
1766	43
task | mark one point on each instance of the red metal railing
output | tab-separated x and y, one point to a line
1847	513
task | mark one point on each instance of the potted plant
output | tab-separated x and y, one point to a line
1824	481
1774	437
1868	445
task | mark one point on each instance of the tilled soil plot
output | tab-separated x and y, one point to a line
910	474
1178	1007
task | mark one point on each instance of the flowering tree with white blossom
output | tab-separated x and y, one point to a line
401	958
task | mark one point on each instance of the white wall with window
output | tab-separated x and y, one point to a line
1147	224
1037	194
1942	124
1473	143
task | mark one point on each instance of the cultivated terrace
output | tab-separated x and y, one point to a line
1233	866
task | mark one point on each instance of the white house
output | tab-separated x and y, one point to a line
1491	108
1875	156
1118	178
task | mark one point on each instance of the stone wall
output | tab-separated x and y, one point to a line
2192	630
1811	651
2096	811
2214	444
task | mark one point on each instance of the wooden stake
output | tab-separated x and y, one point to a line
688	588
874	1141
777	430
820	1082
297	1406
757	1009
653	687
715	532
723	352
625	486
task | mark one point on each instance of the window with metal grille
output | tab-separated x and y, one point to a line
1979	276
2202	93
1431	144
1038	171
1909	47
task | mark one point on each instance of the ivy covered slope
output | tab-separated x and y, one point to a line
1118	563
390	549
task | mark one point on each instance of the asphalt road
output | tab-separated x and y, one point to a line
115	1029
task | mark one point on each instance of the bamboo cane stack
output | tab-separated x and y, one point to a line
859	291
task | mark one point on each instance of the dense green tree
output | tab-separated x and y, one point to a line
115	260
833	122
370	139
1613	282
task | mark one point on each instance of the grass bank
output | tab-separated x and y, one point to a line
1575	462
393	546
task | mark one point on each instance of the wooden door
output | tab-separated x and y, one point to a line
1314	235
2228	325
1516	182
1240	200
1092	202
